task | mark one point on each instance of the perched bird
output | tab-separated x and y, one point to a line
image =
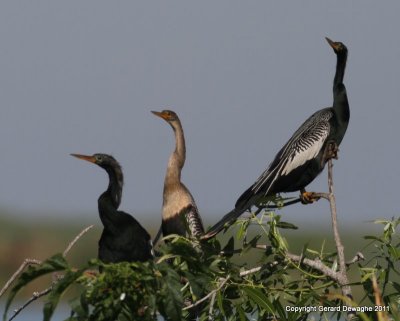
179	210
304	156
123	238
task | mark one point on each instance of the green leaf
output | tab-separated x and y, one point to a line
259	298
286	225
80	306
371	237
394	252
252	243
53	264
280	310
57	291
396	286
172	302
220	303
242	315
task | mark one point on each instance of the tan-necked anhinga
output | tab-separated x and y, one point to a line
179	210
304	156
123	238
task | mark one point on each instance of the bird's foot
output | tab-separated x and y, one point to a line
308	197
332	150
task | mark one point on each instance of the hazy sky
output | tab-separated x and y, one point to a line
83	76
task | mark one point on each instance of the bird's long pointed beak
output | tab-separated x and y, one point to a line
88	158
159	114
333	44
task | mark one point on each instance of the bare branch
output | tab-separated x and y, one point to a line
37	295
358	257
211	309
253	270
342	275
70	245
18	272
321	195
381	314
315	264
220	286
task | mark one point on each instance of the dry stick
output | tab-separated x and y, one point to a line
37	295
18	272
342	275
358	257
315	264
223	281
381	314
70	245
210	311
339	276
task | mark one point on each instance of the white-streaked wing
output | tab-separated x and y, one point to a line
194	221
304	145
305	149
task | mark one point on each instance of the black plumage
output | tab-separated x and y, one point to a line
123	238
304	156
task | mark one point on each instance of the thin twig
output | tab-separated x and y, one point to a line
253	270
315	264
211	309
262	207
18	272
381	314
358	257
222	283
37	295
339	276
320	195
70	245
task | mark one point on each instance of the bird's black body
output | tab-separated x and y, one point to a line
123	238
304	156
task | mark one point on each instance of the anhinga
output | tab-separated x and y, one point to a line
304	156
179	210
123	238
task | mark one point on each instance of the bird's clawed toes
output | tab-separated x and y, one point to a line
308	197
332	151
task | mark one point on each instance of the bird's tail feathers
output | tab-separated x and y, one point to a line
244	198
227	220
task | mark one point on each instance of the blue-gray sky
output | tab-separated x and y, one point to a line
82	76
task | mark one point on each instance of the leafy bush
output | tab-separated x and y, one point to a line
186	271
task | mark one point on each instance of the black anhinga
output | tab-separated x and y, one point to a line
304	156
179	210
123	238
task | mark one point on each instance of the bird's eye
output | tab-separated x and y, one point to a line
98	158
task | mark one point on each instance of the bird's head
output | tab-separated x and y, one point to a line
103	160
338	47
167	115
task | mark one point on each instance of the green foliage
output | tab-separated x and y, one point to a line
186	271
53	264
384	265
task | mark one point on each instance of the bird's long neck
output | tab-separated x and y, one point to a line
340	102
178	156
340	68
110	200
